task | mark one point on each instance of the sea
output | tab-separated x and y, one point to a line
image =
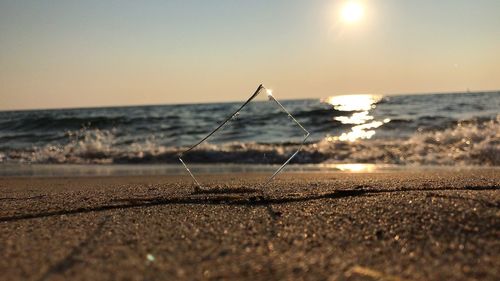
350	131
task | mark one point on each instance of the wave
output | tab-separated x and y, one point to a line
470	142
54	122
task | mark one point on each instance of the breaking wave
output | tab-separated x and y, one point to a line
471	142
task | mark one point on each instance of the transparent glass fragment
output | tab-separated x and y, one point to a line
259	132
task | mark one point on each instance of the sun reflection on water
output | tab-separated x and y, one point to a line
359	107
353	102
356	168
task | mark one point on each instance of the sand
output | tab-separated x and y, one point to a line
425	225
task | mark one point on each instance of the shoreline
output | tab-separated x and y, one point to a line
90	170
405	225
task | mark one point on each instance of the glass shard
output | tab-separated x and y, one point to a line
249	136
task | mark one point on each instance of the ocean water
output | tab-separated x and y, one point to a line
437	129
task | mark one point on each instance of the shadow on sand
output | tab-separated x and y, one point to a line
228	196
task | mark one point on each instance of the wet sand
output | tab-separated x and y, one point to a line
427	225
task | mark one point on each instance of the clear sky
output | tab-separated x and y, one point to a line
65	53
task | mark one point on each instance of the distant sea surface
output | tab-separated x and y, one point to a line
434	129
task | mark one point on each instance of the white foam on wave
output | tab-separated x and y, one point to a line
471	143
87	147
468	143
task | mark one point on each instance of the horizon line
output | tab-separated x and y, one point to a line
236	101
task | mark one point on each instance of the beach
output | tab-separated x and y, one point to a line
436	224
259	140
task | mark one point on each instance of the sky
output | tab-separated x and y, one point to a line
66	53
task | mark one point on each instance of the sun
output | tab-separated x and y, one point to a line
352	12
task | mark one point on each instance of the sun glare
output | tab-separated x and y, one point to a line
352	12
